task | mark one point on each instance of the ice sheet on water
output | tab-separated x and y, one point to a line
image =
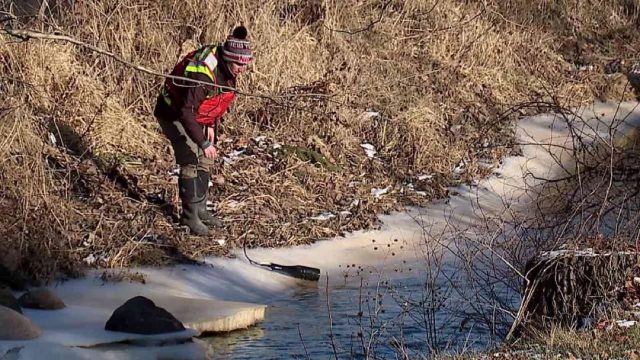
53	351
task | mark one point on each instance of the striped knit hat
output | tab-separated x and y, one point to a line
237	47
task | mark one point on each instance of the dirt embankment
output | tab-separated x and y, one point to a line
433	86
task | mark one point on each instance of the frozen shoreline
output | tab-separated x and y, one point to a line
401	242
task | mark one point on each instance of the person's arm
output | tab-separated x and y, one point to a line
196	94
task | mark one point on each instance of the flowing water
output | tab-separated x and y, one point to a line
379	317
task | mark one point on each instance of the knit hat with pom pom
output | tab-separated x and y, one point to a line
237	47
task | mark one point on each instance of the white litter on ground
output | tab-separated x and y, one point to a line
369	149
372	114
233	156
379	192
323	216
90	259
626	323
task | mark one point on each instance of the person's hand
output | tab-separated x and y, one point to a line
211	152
211	134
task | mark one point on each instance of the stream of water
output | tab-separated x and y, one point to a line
375	316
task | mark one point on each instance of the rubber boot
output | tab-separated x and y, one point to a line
204	215
191	199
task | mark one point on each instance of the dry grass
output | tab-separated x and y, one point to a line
442	74
610	343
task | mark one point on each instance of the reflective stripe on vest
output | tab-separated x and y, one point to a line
205	62
193	67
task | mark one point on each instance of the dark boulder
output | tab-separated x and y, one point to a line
12	279
8	300
41	298
140	315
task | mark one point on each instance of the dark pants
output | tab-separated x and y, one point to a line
188	154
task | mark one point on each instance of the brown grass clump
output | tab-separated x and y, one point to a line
86	173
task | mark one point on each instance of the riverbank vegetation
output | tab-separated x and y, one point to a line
432	86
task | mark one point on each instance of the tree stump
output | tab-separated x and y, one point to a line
565	287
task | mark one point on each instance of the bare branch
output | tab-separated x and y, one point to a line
25	35
5	17
369	27
331	335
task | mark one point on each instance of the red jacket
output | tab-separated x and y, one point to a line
199	105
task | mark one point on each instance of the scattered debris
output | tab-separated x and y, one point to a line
584	67
90	260
379	192
233	156
323	216
372	114
459	169
52	139
369	149
151	239
626	323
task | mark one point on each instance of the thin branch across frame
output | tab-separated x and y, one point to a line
26	35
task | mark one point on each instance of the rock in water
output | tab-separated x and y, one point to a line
16	326
41	298
140	315
8	300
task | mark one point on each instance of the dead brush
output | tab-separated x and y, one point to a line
439	73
